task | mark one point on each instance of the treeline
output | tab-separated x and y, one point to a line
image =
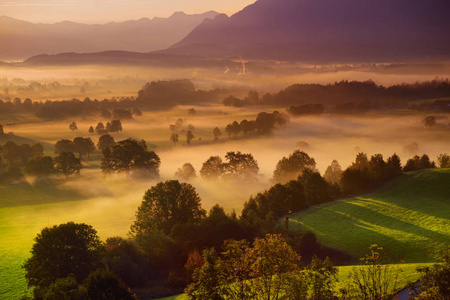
264	123
350	96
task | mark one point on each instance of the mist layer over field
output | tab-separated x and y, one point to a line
124	81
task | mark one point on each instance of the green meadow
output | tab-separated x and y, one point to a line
409	217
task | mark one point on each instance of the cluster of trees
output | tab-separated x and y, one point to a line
113	126
128	156
264	123
50	110
178	129
350	92
31	160
239	166
164	94
81	145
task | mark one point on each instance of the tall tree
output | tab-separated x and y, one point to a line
165	205
105	141
333	172
186	172
114	126
289	168
217	133
131	156
67	164
39	166
83	146
62	250
212	168
64	146
174	138
241	166
189	137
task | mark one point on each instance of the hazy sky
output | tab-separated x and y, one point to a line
102	11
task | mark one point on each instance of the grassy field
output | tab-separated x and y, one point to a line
410	218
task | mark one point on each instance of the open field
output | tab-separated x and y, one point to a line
109	203
410	219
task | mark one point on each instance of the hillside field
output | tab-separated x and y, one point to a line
409	217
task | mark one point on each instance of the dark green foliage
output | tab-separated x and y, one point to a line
64	146
39	166
83	146
443	160
241	166
355	181
321	278
105	141
62	250
418	163
120	114
213	168
166	205
131	156
435	280
208	280
114	126
289	168
63	288
67	164
128	262
104	285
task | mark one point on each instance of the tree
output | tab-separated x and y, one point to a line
73	126
63	145
321	277
132	157
291	167
333	172
209	280
165	205
106	114
83	146
393	167
186	172
435	280
443	160
38	150
212	168
105	141
217	133
39	166
174	138
104	285
361	161
1	129
377	168
120	114
100	128
91	129
62	250
189	137
375	279
67	164
241	166
114	126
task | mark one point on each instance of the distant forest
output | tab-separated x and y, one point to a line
340	97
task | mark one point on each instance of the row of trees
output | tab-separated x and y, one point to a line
264	123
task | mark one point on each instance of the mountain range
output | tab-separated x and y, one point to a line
20	39
326	30
316	31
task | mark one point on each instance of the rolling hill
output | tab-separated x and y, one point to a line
21	39
326	31
409	217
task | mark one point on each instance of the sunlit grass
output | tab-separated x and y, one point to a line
410	219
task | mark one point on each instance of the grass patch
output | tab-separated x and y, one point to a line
409	217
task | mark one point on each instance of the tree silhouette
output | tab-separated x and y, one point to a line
212	168
217	133
67	164
189	137
174	138
105	141
73	126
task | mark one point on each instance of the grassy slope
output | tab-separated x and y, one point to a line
411	218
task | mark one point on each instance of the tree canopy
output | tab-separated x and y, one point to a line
288	168
131	156
62	250
165	205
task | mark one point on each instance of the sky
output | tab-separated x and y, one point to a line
103	11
